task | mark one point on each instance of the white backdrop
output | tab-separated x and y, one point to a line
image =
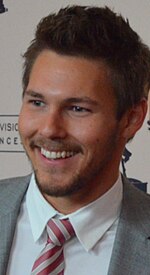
17	26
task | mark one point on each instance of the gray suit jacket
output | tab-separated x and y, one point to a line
131	251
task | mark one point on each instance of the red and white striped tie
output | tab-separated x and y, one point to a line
51	259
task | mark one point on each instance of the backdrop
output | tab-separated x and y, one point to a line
17	25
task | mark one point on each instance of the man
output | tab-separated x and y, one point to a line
85	85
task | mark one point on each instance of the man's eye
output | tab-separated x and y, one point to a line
79	109
37	103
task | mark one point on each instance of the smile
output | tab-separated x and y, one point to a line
56	155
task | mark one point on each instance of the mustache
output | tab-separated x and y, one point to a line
56	144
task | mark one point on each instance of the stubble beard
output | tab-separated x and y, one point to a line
80	180
77	183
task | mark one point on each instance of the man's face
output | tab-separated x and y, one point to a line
68	126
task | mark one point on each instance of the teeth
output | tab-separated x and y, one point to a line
56	155
68	154
53	155
63	154
47	154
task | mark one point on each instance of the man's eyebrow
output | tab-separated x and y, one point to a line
70	100
33	94
84	99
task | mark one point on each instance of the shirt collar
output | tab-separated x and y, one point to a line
90	222
94	220
39	210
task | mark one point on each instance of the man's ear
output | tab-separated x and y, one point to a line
134	118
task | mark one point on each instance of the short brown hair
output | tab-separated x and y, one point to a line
101	34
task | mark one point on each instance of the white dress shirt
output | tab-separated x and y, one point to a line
95	227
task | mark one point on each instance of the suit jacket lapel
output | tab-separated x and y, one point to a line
131	252
9	210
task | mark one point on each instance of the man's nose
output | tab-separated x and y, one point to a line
53	126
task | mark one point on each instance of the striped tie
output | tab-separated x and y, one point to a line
51	259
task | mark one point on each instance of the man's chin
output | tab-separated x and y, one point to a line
53	188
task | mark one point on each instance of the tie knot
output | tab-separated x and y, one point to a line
59	231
